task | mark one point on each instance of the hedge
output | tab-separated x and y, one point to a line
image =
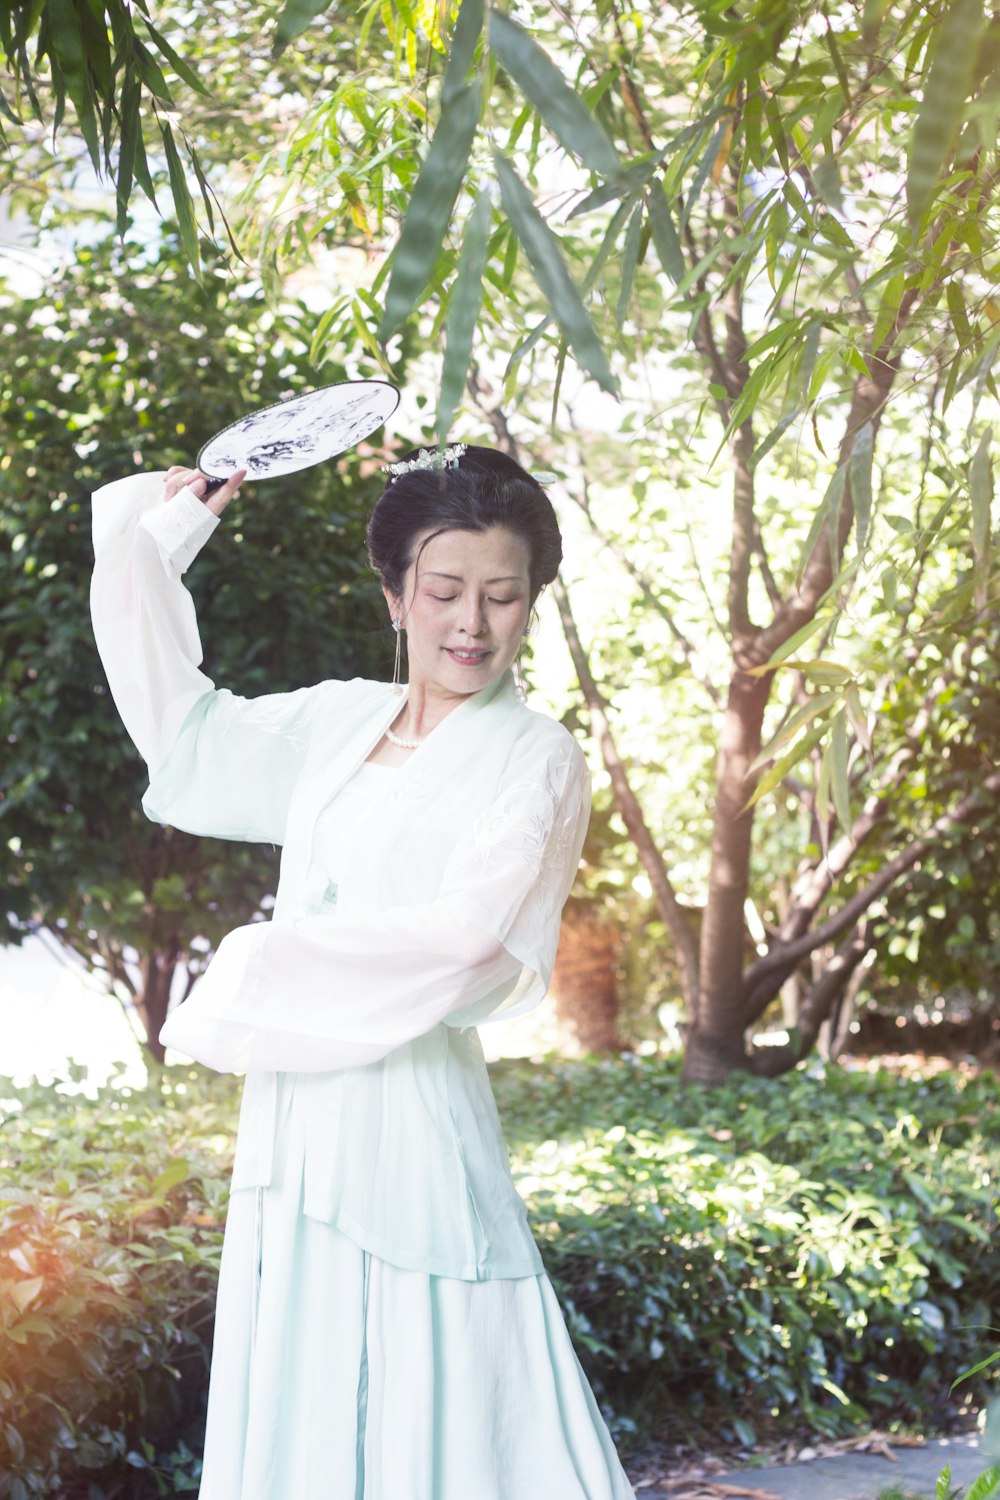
810	1254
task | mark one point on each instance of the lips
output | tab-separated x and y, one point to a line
467	658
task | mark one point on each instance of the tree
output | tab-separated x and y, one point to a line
107	374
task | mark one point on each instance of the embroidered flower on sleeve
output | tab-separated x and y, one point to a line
521	821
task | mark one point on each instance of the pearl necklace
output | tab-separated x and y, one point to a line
395	739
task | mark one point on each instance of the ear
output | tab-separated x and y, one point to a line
395	604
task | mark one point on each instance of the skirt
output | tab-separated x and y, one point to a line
338	1376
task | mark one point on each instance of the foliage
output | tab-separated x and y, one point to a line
109	374
107	63
739	1265
723	1268
111	1216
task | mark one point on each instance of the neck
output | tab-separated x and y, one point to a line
426	706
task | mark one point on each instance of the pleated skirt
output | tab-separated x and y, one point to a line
337	1376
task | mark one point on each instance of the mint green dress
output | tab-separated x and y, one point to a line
385	1329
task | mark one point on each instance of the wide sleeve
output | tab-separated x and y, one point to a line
326	992
219	764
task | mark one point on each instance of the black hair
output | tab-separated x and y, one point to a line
485	488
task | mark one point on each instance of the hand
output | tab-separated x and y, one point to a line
179	478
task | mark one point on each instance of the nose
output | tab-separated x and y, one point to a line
473	621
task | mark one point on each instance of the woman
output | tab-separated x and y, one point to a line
385	1329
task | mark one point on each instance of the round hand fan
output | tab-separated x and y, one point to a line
299	432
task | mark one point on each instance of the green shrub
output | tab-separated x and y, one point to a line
111	1218
809	1253
817	1252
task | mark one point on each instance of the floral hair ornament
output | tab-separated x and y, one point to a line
427	458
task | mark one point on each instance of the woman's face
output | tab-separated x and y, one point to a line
464	608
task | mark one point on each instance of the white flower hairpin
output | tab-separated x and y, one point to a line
448	458
427	458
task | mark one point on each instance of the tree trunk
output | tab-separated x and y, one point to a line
585	982
715	1044
151	1002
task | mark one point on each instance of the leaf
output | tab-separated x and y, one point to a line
463	311
791	645
569	120
464	40
542	249
594	270
802	716
860	468
431	205
183	70
828	506
178	1171
959	316
780	770
131	129
182	202
859	720
838	751
885	318
630	262
981	492
294	19
983	1364
985	1486
949	79
665	237
24	1293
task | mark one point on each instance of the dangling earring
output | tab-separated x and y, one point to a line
519	683
396	684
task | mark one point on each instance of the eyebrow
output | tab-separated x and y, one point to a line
456	578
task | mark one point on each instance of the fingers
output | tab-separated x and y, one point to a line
220	498
178	478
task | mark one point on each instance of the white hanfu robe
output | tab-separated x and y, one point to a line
385	1329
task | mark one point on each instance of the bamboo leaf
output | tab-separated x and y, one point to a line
828	507
838	751
431	204
542	249
296	17
959	316
151	73
949	79
131	129
860	466
859	720
182	202
464	40
885	318
630	262
809	629
796	721
593	271
981	492
572	124
183	70
781	768
665	237
823	804
706	166
463	311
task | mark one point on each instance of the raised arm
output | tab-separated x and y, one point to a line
240	756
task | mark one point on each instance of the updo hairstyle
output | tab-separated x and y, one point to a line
486	488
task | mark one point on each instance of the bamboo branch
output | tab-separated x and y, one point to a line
765	977
676	918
